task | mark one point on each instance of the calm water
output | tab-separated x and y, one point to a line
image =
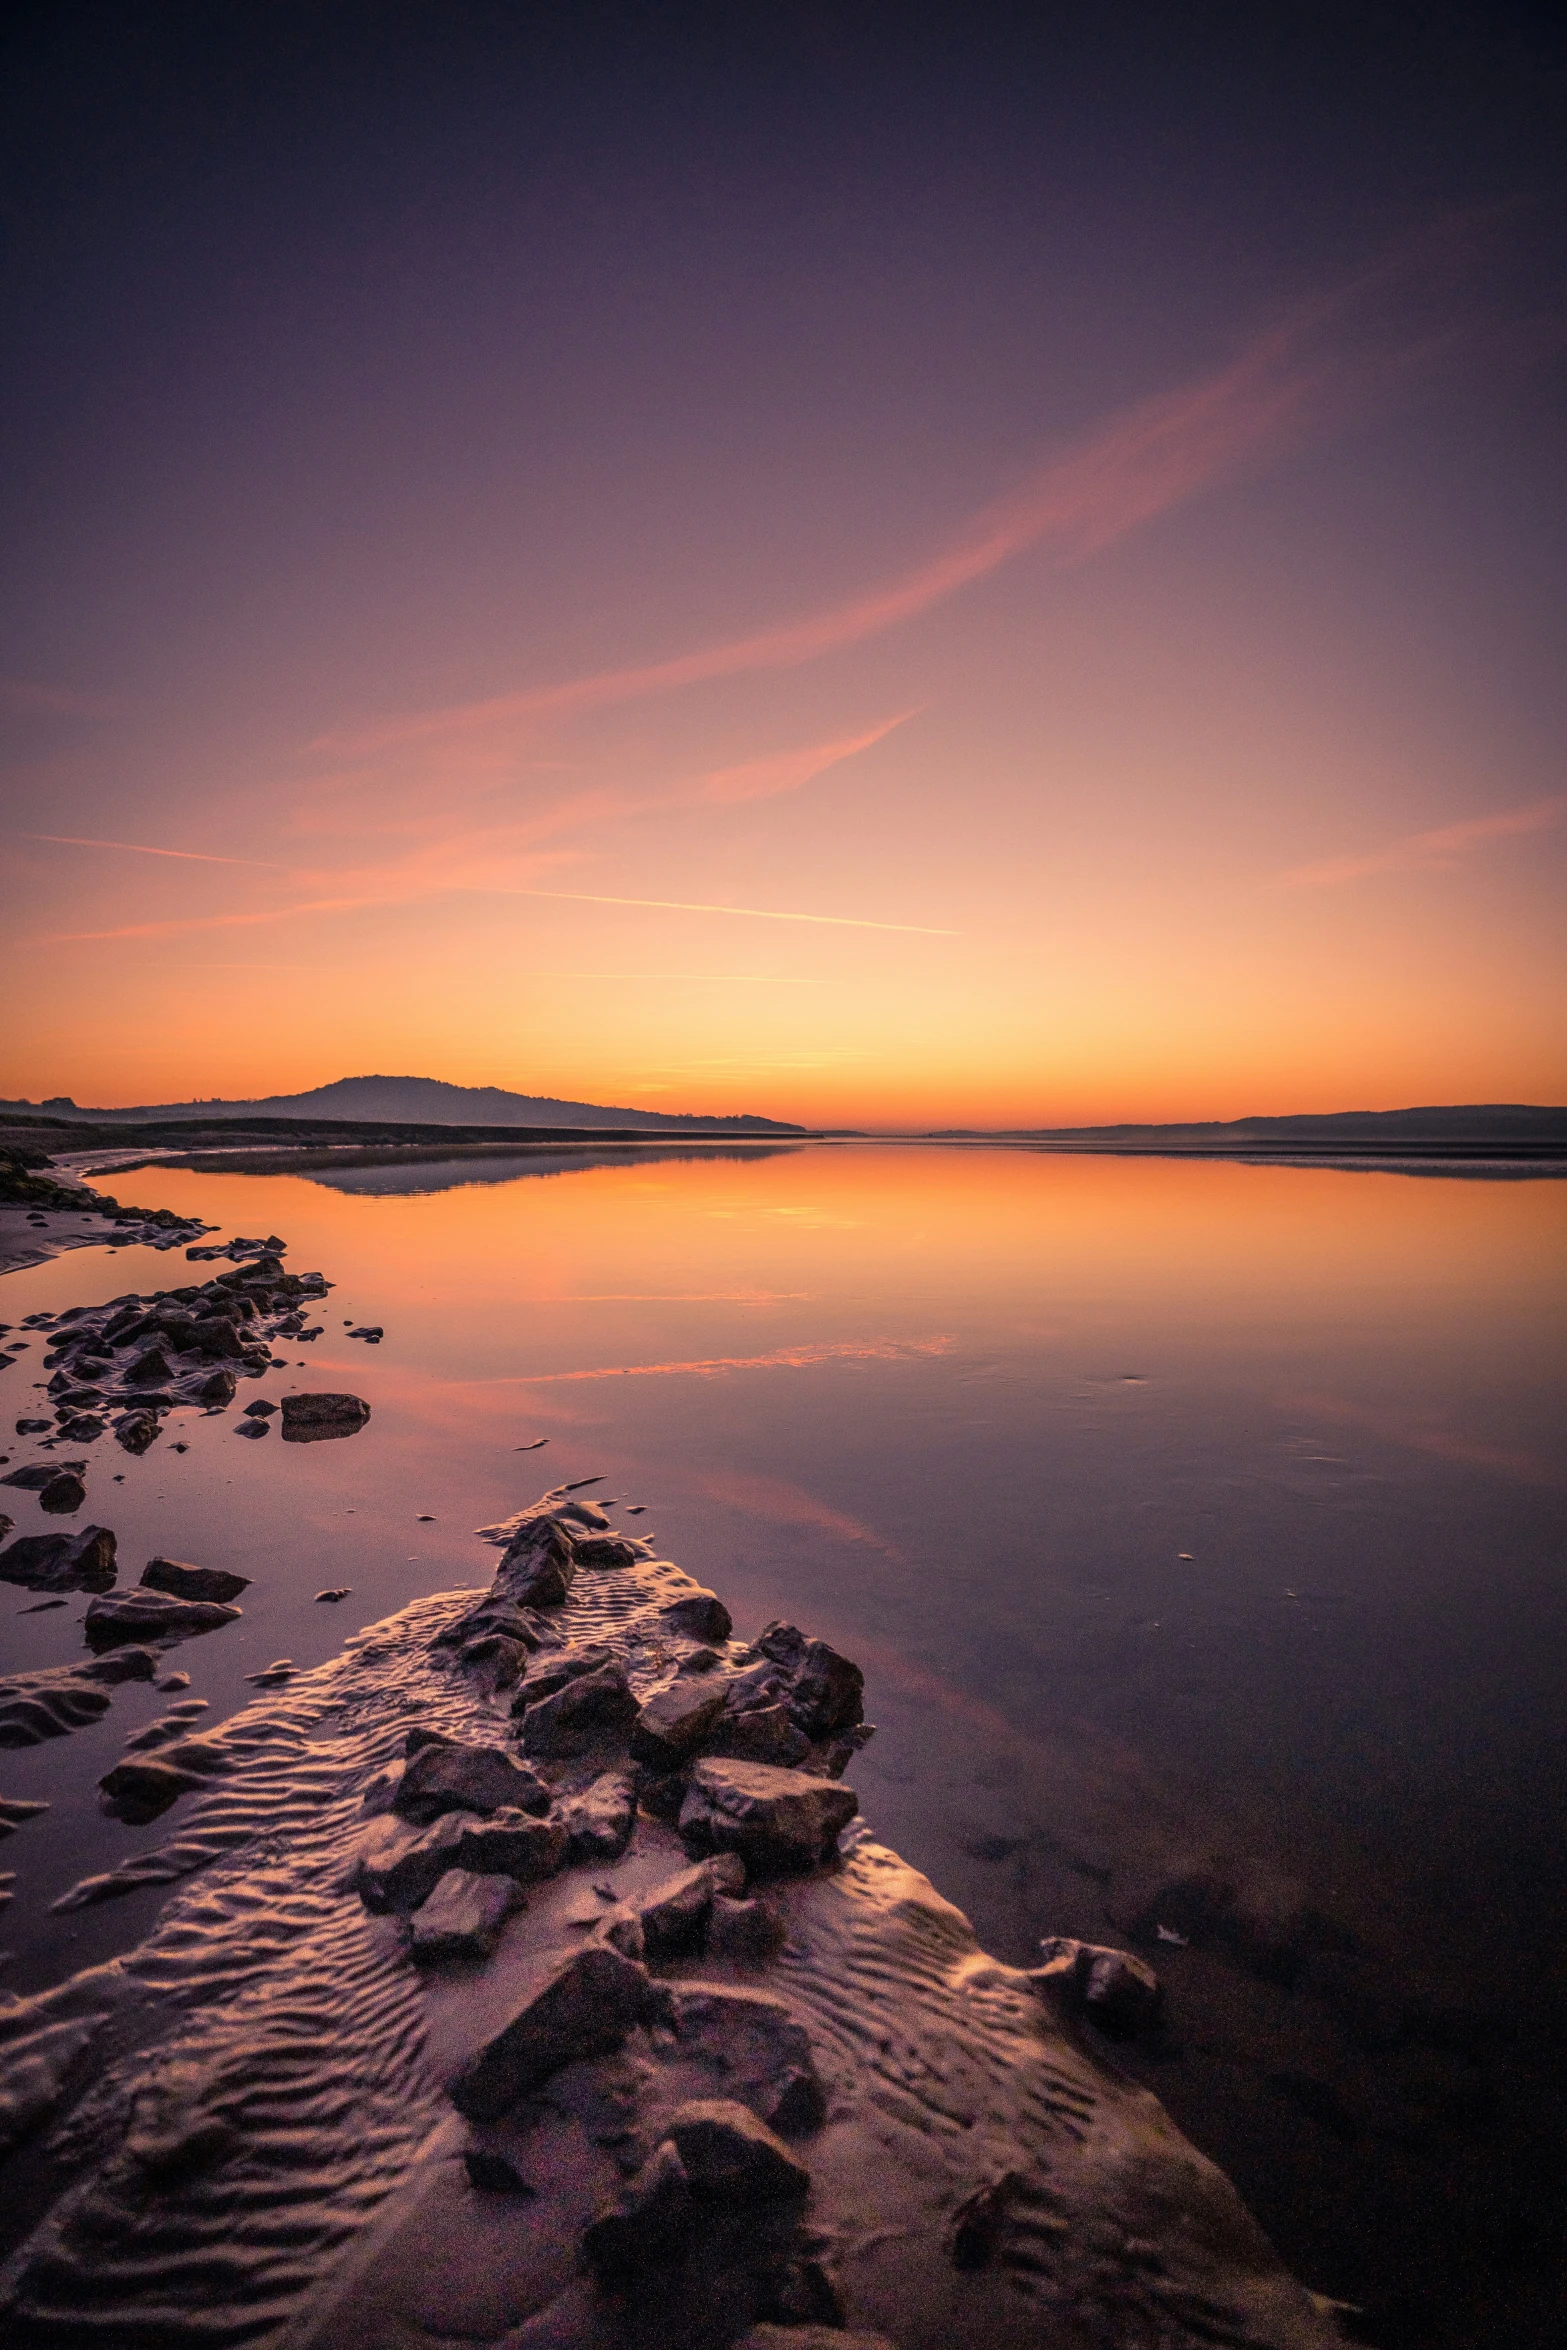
1199	1526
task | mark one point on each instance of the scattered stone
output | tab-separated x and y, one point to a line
61	1562
337	1591
150	1615
261	1409
136	1430
462	1918
730	2156
775	1819
1113	1989
674	1914
467	1778
513	1843
592	1707
219	1389
307	1419
743	1932
674	1723
186	1582
64	1493
583	2006
648	2223
701	1614
599	1821
251	1428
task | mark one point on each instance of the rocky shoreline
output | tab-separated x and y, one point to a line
539	1984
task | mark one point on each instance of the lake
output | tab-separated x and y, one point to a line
1199	1526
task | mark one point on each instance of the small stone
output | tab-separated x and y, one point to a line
592	1707
674	1723
1110	1987
731	2157
462	1917
260	1410
336	1591
187	1582
63	1494
583	2006
467	1778
251	1428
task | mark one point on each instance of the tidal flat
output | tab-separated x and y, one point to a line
1198	1530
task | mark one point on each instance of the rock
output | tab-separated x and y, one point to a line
1113	1989
85	1428
608	1550
308	1419
674	1914
37	1474
700	1614
467	1778
64	1493
492	1615
539	1564
775	1819
399	1865
599	1821
251	1428
648	2223
129	1664
139	1789
135	1430
592	1707
185	1582
61	1562
743	1932
731	2157
763	1733
752	2041
151	1615
462	1917
494	1654
565	1665
492	2174
335	1591
219	1389
583	2006
674	1722
512	1843
826	1691
260	1410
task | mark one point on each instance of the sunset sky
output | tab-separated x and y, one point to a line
879	567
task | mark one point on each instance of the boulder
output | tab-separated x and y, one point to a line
462	1917
743	1932
648	2222
467	1778
1110	1987
512	1843
309	1419
399	1865
566	1664
599	1821
675	1721
755	2045
135	1430
151	1615
186	1582
539	1564
592	1707
731	2157
61	1562
582	2006
826	1691
700	1614
64	1493
776	1820
674	1914
762	1733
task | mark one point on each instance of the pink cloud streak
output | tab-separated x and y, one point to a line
1427	852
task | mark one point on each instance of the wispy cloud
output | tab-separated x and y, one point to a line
781	771
136	848
583	897
1429	852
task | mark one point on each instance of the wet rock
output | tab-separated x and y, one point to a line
308	1419
220	1388
61	1562
85	1428
492	2174
64	1493
399	1865
674	1914
260	1410
187	1582
37	1474
599	1821
492	1615
129	1664
539	1564
335	1591
674	1722
151	1615
826	1691
647	2224
467	1778
608	1550
743	1932
592	1707
514	1843
251	1428
731	2157
462	1918
762	1733
499	1658
1110	1987
135	1430
777	1820
700	1614
750	2039
151	1368
140	1789
582	2006
565	1665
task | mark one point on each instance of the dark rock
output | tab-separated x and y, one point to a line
731	2157
565	1665
151	1368
975	2234
592	1707
335	1592
37	1474
511	1843
260	1410
417	1739
185	1582
599	1821
1110	1987
492	1615
754	2043
219	1389
492	2174
826	1691
85	1428
608	1550
744	1932
674	1722
539	1564
498	1657
135	1430
648	2224
583	2006
775	1819
308	1419
151	1615
462	1917
467	1778
674	1914
33	1427
61	1562
129	1664
398	1865
700	1614
763	1733
63	1494
661	1793
251	1428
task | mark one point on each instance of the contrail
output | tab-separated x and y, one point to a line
582	897
69	840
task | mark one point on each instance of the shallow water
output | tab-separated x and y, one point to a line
1187	1517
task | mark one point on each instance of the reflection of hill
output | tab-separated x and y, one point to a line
395	1173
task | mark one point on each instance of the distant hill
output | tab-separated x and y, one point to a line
1457	1128
427	1101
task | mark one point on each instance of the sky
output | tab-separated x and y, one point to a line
880	567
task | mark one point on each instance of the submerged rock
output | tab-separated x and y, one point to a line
583	2005
776	1820
152	1615
308	1419
1111	1988
61	1562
